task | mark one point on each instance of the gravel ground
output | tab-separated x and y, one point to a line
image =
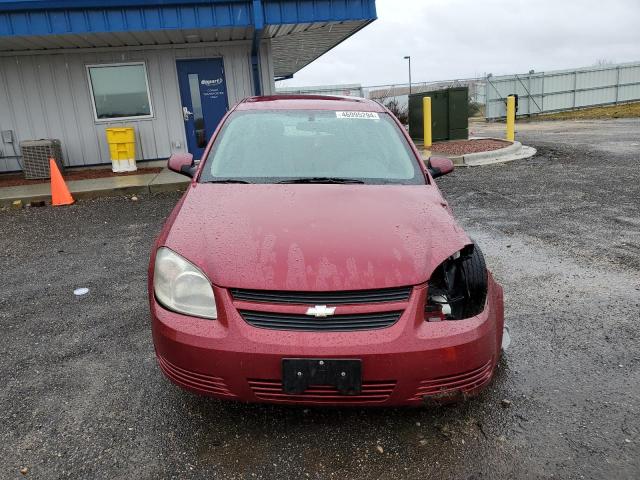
81	395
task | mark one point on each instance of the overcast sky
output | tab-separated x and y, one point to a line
450	39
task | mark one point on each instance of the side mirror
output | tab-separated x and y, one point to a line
182	163
439	166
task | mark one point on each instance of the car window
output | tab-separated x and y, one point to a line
272	146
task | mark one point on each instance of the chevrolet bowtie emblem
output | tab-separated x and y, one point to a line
321	311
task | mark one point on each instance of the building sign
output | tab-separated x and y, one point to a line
211	88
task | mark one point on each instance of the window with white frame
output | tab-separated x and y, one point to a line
120	91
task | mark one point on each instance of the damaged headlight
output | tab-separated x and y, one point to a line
180	286
457	288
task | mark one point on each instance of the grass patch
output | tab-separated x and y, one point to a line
626	110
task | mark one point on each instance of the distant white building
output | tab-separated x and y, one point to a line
400	93
347	90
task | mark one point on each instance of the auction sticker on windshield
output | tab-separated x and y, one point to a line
364	115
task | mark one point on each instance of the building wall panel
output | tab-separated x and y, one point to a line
47	96
266	63
6	110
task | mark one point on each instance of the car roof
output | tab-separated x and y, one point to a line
310	102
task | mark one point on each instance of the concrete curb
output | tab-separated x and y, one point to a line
515	151
513	148
165	181
168	181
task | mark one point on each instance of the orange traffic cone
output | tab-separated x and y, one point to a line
59	192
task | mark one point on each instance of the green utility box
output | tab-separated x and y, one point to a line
449	114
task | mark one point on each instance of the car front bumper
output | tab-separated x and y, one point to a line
409	363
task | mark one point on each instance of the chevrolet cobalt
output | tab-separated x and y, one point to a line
313	260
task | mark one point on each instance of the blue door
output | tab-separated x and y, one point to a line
204	100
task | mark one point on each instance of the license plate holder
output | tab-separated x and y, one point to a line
298	374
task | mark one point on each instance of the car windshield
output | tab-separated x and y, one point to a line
311	146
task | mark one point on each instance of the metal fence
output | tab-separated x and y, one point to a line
397	91
400	92
349	90
563	89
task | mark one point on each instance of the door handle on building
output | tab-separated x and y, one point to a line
186	113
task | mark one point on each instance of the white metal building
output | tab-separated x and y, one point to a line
345	90
171	69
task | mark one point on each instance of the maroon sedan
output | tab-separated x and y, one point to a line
313	260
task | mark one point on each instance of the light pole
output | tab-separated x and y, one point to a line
408	57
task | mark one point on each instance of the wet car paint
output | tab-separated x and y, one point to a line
315	237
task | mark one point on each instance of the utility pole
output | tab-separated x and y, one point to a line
408	57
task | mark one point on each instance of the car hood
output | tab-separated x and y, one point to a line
314	236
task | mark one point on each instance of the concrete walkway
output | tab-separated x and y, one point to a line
164	181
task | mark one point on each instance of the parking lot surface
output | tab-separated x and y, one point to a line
82	397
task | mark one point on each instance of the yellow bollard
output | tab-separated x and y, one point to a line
511	118
426	109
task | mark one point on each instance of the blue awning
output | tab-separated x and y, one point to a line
301	30
37	18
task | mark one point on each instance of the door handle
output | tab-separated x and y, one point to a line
186	113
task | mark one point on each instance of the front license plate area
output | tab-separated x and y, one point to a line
298	374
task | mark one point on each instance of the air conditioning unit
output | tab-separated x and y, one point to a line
36	155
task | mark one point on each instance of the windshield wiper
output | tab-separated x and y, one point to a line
322	180
227	180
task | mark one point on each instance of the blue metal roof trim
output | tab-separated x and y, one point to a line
94	20
292	11
25	5
59	17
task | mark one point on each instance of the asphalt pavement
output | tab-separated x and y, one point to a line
82	397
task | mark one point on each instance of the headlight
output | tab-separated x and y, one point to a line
182	287
457	289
